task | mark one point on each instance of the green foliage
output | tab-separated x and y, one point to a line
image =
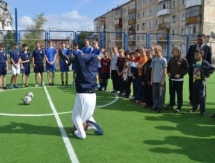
9	39
35	31
82	36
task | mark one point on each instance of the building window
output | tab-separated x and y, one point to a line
138	4
149	12
156	22
150	1
138	38
124	20
138	27
182	16
124	10
144	2
173	32
174	19
138	16
183	2
143	26
150	24
182	31
174	4
143	14
143	37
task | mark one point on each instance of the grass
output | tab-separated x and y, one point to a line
132	133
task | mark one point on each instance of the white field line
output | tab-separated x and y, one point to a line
65	138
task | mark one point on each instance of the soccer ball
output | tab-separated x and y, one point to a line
30	94
27	100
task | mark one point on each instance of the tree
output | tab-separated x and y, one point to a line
35	32
9	39
82	36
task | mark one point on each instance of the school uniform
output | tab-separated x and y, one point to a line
3	60
114	75
63	66
120	66
38	55
14	54
26	66
50	54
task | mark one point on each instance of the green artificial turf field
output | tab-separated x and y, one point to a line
30	133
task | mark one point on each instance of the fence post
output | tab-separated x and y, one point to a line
16	25
168	46
126	41
148	40
102	39
187	42
76	38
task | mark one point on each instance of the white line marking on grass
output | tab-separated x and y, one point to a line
110	103
65	138
32	115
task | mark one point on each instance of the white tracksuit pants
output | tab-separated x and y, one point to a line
83	110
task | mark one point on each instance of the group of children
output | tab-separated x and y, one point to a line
145	70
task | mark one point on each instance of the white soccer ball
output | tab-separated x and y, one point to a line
27	100
30	94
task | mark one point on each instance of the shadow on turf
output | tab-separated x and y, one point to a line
23	128
197	143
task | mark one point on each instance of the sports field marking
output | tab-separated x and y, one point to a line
51	114
65	138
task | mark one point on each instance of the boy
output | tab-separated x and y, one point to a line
50	55
201	70
87	49
105	71
113	67
125	78
25	60
96	51
38	62
120	68
159	70
177	68
129	80
134	73
3	68
101	55
147	68
64	68
140	99
15	61
75	52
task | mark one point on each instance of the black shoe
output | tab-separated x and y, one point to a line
190	104
154	109
50	84
160	110
192	110
213	116
169	107
53	84
26	85
202	114
177	110
4	87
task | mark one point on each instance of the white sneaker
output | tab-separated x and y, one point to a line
1	89
42	84
91	128
36	85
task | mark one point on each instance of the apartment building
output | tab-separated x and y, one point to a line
163	20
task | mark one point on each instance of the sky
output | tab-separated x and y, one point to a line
73	15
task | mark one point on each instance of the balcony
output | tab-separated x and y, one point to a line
190	3
160	1
162	39
163	12
118	23
132	22
131	32
133	10
131	43
193	20
162	26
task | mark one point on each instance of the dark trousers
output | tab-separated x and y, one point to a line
191	88
176	87
120	84
148	94
104	80
114	78
128	86
158	95
199	92
139	89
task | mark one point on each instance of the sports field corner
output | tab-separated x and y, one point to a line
41	132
